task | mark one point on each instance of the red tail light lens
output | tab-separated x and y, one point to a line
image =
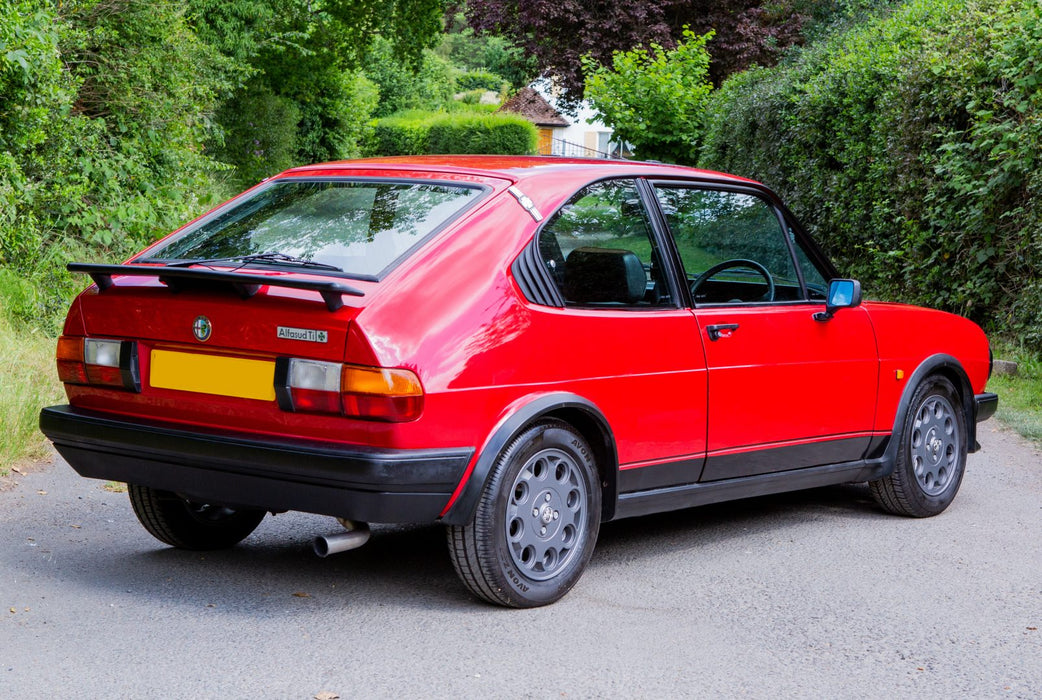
382	394
98	362
372	393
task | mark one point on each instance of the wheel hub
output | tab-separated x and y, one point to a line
935	445
545	516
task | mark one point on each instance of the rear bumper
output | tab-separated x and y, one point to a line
355	482
985	405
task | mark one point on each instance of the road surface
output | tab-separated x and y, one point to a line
814	594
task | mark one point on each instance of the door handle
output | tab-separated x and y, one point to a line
722	330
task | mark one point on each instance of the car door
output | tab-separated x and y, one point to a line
785	391
624	328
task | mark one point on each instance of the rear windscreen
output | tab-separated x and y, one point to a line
363	228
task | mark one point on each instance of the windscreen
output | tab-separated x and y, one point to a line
362	228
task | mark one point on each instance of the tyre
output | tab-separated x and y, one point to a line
931	455
190	525
536	523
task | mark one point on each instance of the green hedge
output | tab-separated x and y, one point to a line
480	80
909	145
423	133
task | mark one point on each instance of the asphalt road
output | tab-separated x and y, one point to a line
816	594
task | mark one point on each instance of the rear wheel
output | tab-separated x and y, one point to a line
536	523
931	455
187	524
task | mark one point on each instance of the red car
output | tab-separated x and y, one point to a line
519	348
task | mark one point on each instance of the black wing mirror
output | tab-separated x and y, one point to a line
843	294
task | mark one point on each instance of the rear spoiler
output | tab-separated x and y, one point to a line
245	284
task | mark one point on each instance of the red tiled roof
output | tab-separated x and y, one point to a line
533	107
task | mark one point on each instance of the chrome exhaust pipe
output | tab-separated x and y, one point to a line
357	534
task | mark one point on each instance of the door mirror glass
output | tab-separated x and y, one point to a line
843	294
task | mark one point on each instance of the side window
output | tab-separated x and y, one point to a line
600	250
732	246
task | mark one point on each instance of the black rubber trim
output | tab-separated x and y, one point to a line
667	474
766	461
936	364
355	482
129	368
283	395
533	279
462	510
985	404
689	495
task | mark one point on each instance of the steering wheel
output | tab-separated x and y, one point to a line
737	262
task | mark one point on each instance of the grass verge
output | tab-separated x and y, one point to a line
27	383
1020	395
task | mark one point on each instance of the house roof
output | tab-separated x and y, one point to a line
534	107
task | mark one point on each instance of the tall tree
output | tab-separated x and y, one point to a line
104	109
558	33
302	96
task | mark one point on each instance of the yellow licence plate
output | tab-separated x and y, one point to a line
211	374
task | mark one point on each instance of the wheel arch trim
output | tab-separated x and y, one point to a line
580	413
950	368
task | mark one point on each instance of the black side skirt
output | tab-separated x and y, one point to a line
700	494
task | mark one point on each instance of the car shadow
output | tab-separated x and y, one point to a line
275	572
717	523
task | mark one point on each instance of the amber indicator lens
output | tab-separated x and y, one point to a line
98	362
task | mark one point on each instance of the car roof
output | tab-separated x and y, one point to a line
519	168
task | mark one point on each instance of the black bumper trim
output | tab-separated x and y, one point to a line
355	482
986	404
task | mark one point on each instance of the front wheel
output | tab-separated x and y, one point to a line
536	522
931	456
187	524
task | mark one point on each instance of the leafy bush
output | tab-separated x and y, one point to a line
301	95
260	133
398	136
428	85
480	80
486	53
492	133
464	132
654	99
909	145
104	106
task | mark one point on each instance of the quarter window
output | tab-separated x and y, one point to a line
817	284
600	250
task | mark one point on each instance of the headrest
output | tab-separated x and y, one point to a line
595	275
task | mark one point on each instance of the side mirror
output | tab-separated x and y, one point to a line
843	294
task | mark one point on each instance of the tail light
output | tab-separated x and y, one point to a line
381	394
98	362
373	393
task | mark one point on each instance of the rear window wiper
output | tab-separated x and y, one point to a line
272	257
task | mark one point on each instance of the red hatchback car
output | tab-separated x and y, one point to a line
519	348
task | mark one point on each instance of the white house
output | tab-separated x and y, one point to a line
561	134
